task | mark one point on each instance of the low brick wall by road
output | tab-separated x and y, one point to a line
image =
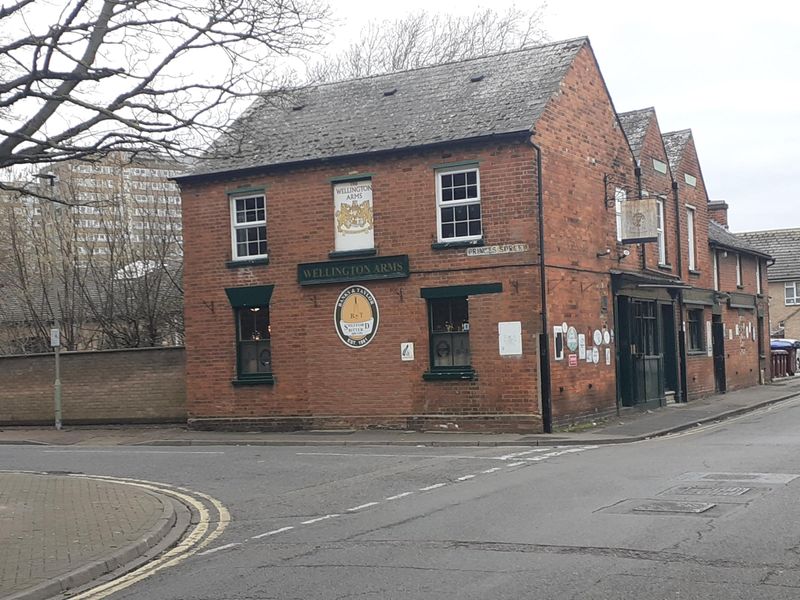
143	385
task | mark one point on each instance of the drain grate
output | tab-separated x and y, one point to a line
696	490
669	506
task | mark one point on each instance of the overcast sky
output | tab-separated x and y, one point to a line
729	70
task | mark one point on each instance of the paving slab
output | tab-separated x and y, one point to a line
58	532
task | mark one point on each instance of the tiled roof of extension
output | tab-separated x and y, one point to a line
721	237
784	246
634	124
675	144
475	98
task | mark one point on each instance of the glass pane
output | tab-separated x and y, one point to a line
459	311
252	249
448	230
250	203
461	213
241	235
440	315
447	181
262	247
459	179
474	227
461	229
459	193
474	211
447	194
472	191
442	350
472	177
241	250
461	357
447	214
264	357
248	357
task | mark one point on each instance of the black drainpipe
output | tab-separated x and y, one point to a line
681	349
638	173
544	340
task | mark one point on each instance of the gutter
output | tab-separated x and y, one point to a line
544	341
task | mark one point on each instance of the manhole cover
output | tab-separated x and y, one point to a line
710	491
667	506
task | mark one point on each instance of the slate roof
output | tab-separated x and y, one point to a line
721	237
784	246
634	124
675	144
429	105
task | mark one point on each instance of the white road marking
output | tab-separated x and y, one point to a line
493	470
318	519
128	451
419	456
524	453
398	496
359	507
466	477
516	464
225	547
273	532
432	487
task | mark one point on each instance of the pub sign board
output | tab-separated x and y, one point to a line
339	271
640	221
356	316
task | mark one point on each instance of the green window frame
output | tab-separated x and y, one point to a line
253	334
449	329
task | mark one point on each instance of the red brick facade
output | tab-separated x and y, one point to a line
320	382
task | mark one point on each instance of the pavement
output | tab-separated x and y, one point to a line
58	532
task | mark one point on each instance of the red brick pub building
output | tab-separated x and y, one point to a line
443	248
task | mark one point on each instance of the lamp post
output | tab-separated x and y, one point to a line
55	332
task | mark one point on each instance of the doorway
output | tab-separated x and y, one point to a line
718	350
641	368
669	349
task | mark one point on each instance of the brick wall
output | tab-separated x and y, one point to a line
779	312
320	382
582	143
113	386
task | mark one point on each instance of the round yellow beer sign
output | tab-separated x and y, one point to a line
356	316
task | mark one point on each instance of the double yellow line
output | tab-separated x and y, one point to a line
205	531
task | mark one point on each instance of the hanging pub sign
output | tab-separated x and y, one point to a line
356	316
352	211
639	221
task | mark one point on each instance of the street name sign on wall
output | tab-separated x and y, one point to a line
339	271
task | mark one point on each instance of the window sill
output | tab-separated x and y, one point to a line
352	253
250	262
450	375
456	244
739	287
260	380
665	267
694	273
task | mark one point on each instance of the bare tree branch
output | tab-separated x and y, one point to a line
421	39
130	74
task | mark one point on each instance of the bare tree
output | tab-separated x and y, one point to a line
131	74
109	264
423	39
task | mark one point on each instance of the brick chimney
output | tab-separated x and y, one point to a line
718	211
